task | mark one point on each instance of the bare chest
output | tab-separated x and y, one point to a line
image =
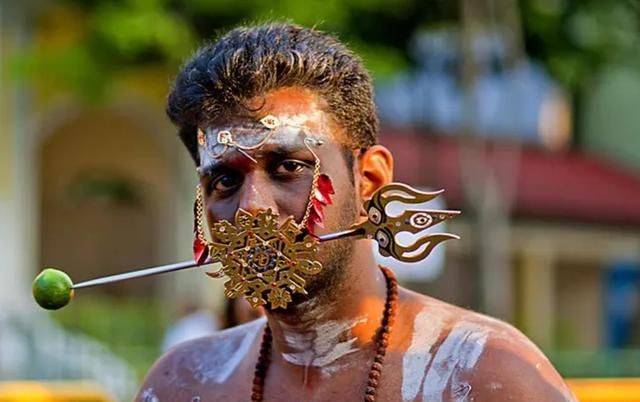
344	383
402	380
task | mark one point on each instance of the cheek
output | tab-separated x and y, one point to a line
221	210
343	212
292	198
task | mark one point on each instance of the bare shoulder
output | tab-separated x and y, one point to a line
511	367
201	366
477	357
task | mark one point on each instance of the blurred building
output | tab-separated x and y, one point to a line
574	218
570	240
506	97
92	188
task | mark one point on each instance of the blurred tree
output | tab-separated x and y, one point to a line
114	35
575	38
572	38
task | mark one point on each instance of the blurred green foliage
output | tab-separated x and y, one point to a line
576	38
120	34
130	328
572	38
580	363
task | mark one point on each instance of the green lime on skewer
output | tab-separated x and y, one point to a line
52	289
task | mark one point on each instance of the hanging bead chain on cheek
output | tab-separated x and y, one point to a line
201	245
319	194
199	213
314	187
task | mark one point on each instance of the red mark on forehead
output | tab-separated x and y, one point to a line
294	107
290	100
305	105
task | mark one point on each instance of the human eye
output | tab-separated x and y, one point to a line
225	184
291	168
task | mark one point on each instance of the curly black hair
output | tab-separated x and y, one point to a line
251	61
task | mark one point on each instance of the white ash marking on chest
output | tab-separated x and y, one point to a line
333	369
322	345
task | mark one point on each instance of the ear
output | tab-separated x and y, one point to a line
375	170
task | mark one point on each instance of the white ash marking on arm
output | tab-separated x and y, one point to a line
427	327
219	359
149	396
458	354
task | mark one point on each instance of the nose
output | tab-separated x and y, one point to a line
256	194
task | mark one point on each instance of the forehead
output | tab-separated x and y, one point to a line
297	107
299	113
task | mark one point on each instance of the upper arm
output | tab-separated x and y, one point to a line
203	366
179	374
512	368
162	381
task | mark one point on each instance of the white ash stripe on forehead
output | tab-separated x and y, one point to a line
284	123
247	136
458	354
301	119
427	327
246	141
295	121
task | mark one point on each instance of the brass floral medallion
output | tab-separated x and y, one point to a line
263	261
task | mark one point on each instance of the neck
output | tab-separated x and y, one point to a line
320	333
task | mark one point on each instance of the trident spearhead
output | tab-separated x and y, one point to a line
384	228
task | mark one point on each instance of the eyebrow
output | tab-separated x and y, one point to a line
278	152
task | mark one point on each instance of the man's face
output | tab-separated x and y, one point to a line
279	174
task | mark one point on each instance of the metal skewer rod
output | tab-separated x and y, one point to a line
183	265
138	274
340	235
192	264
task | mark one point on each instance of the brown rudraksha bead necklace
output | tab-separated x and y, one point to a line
382	341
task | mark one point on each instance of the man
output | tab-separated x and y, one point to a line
326	346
